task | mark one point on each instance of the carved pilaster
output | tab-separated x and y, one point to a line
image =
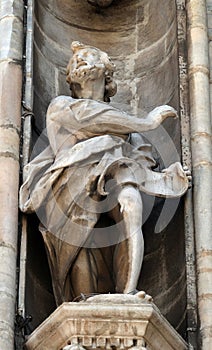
186	160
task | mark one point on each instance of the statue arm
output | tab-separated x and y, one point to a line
107	119
123	123
104	119
100	118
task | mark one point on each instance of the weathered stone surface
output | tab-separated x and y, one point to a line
8	258
7	284
148	58
200	109
8	191
9	179
12	8
10	107
9	142
11	47
122	35
202	153
116	323
11	27
152	95
45	77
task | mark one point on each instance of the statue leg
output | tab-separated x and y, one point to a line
83	274
128	254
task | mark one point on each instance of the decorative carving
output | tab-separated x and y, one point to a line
95	167
118	322
74	347
105	343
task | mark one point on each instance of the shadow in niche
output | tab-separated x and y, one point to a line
155	278
163	273
40	301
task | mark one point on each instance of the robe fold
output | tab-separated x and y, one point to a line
94	149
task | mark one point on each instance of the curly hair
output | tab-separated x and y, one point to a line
104	59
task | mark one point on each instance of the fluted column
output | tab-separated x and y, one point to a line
201	159
11	28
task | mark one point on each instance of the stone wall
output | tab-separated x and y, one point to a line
209	13
11	28
146	57
200	120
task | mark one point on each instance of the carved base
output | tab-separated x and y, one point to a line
113	321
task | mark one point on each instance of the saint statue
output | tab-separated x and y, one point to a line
86	186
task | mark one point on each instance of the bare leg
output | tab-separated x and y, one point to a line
129	253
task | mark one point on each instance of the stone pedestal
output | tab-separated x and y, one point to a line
106	322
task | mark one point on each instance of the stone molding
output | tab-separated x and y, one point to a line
132	324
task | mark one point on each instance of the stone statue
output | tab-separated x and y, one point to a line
91	174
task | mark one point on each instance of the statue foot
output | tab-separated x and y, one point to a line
142	295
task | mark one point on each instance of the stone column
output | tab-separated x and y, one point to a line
11	28
186	161
201	159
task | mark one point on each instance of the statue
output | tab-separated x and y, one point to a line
96	165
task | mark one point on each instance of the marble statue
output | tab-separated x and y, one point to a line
93	172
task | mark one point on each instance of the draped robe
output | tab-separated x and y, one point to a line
90	143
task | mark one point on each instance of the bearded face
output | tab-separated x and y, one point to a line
85	65
90	65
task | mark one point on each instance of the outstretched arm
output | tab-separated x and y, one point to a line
100	118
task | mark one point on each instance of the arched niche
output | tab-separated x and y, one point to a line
141	38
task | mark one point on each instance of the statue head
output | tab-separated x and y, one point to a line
89	63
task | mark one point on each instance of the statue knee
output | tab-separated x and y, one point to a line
130	201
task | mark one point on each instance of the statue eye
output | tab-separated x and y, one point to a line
108	79
81	63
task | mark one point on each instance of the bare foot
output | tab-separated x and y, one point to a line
145	297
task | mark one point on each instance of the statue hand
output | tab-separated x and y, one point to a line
159	114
